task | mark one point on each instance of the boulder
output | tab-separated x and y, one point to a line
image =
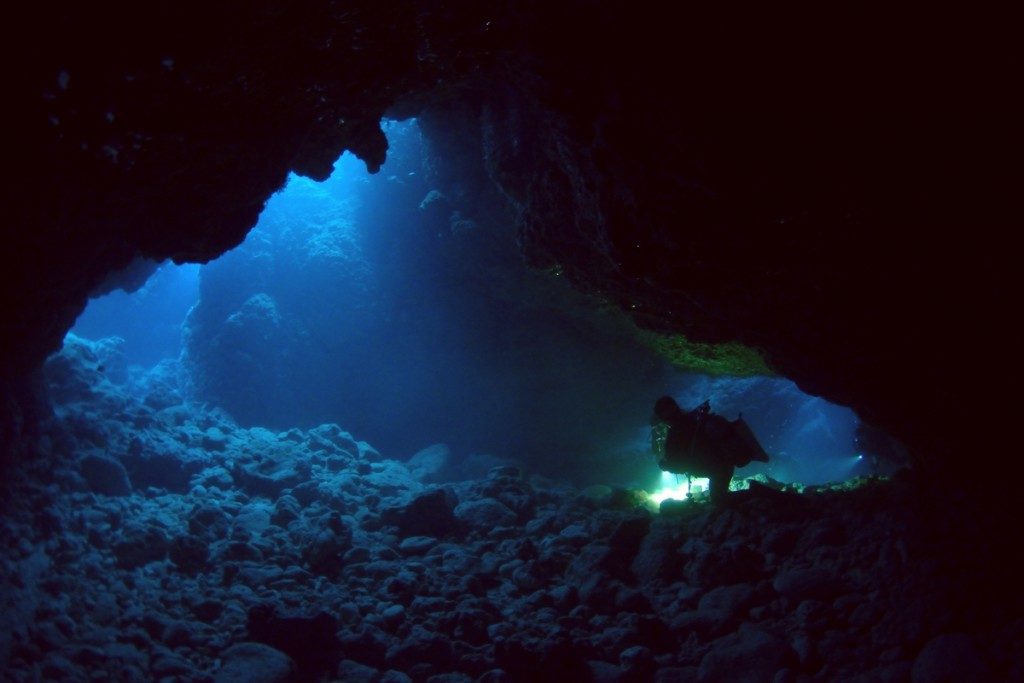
428	514
254	663
713	565
324	550
676	674
162	469
806	584
427	464
169	665
189	554
354	672
208	521
416	545
268	484
637	661
949	657
105	475
308	639
331	437
253	518
727	602
484	515
658	557
139	545
420	646
750	655
286	509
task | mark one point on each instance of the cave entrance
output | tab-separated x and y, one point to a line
396	306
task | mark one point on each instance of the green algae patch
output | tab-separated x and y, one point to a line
732	358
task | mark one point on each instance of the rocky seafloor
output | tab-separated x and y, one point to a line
149	538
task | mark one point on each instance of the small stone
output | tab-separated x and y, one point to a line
353	672
393	615
177	633
731	601
803	584
676	674
603	672
416	545
170	664
419	646
208	610
575	533
637	660
450	677
58	668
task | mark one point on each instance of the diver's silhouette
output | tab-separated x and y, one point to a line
703	444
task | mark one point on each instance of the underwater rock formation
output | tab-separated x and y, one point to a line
307	551
816	194
815	187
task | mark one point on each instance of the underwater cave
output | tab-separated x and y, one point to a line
337	333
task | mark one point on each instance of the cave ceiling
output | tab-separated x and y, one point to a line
799	187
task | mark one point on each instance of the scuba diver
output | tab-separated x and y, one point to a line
703	444
885	454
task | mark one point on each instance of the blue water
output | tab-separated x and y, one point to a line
149	319
385	306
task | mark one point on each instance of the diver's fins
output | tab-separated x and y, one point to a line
751	447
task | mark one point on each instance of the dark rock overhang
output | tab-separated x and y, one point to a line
800	187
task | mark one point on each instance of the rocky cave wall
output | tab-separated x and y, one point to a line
810	192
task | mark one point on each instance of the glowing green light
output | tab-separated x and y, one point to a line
677	487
